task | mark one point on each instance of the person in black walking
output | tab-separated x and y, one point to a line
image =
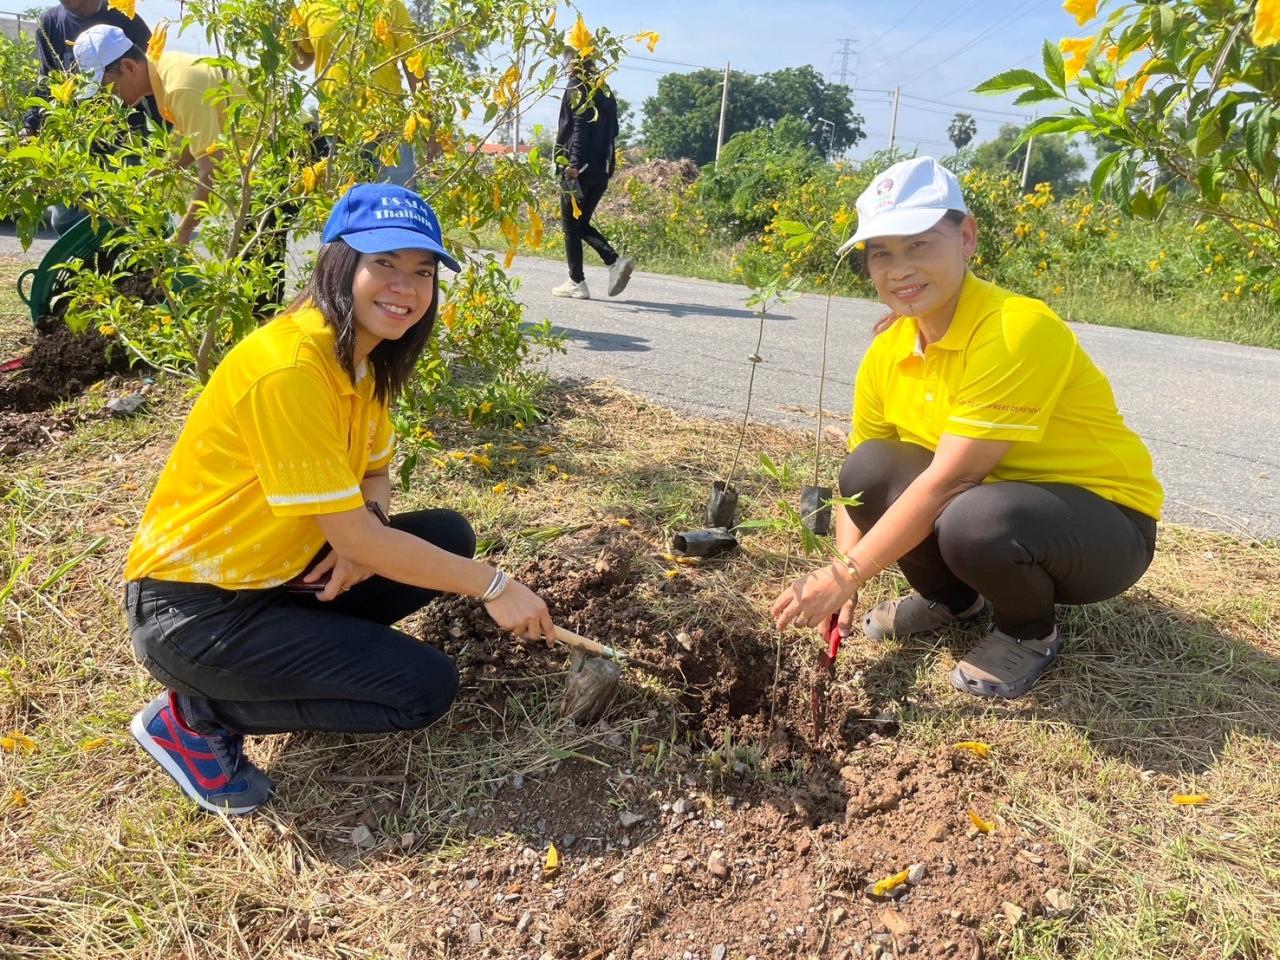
585	143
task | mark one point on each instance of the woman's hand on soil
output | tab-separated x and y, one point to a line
814	597
343	575
522	611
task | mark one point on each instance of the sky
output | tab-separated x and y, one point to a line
936	51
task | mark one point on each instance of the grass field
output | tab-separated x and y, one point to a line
1173	688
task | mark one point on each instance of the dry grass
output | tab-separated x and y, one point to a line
1174	687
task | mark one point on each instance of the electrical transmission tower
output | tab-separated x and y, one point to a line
846	51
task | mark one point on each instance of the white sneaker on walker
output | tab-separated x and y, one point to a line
619	274
575	290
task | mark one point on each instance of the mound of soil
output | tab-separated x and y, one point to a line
658	173
715	858
665	175
60	366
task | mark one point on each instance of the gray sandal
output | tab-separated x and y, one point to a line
913	614
1001	666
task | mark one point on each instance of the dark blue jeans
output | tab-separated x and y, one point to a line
271	661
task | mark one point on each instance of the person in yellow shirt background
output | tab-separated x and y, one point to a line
325	45
988	455
268	567
190	95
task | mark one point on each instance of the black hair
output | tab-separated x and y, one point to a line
330	290
953	217
134	53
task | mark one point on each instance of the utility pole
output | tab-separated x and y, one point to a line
724	108
846	48
831	134
1026	163
893	124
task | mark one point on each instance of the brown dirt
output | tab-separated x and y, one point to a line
767	857
60	366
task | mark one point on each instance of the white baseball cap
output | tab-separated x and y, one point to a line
908	198
99	47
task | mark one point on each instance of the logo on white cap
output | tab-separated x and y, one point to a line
908	198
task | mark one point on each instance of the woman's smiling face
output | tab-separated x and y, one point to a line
921	275
390	293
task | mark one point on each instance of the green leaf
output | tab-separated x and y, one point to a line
1010	80
791	228
1102	172
1260	140
1054	69
1038	96
1072	124
1210	135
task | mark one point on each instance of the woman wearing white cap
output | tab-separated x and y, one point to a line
987	453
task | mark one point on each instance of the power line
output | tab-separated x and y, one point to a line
937	27
1016	14
889	29
968	88
977	111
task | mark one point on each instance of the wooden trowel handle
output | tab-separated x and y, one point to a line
571	639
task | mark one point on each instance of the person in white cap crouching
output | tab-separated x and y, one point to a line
987	454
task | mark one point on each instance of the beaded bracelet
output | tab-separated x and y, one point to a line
496	587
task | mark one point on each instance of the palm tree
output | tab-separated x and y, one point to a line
961	130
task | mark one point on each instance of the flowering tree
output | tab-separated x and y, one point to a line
1187	95
292	142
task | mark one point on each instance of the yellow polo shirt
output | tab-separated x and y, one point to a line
1007	368
279	434
324	38
182	85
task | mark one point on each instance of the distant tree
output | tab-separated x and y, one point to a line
961	130
627	133
682	119
1054	159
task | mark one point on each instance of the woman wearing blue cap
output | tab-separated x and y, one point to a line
266	572
987	454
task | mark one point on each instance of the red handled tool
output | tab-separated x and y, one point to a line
826	670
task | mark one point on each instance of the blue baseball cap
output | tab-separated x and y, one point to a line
380	217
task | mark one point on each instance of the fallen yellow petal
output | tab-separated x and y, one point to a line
624	522
882	887
984	826
551	868
480	460
17	798
672	573
543	450
18	741
499	488
96	743
976	747
1188	799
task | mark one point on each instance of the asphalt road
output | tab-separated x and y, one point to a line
1210	412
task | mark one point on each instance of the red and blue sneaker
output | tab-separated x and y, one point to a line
211	768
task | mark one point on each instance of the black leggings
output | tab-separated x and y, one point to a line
1023	546
579	229
271	661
